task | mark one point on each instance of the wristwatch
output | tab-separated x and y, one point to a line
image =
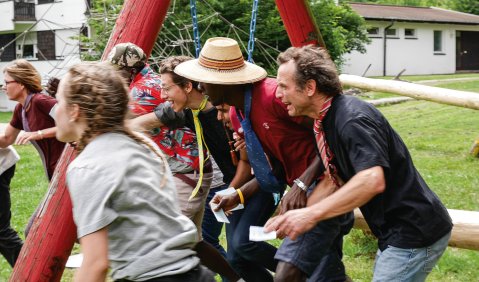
300	184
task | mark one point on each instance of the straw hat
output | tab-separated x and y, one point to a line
221	62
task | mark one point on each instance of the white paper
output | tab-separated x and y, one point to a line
230	191
220	215
256	233
74	261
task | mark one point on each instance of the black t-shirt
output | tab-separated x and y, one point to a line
216	140
407	214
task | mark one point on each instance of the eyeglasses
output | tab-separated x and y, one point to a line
8	82
167	88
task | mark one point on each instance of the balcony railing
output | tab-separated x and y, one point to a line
24	11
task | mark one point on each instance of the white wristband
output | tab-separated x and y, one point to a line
300	184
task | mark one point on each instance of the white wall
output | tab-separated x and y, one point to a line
65	17
62	14
415	55
6	16
66	43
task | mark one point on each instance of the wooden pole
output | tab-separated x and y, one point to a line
53	232
416	91
139	22
465	233
299	23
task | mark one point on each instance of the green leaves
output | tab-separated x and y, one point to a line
342	29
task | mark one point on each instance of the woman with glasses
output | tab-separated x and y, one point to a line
32	114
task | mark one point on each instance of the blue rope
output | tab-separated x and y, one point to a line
196	33
252	28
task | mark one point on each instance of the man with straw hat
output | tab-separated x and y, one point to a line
289	146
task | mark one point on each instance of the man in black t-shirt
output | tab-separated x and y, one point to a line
370	166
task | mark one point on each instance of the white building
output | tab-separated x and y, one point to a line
44	32
418	40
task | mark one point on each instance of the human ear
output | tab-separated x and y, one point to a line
188	87
74	112
310	87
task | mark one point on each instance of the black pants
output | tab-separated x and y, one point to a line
197	274
10	243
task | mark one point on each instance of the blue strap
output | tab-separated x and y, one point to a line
261	167
196	33
252	28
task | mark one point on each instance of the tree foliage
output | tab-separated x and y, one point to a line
342	29
467	6
101	20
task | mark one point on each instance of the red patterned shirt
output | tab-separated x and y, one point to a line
179	144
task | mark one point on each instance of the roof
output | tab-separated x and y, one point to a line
413	14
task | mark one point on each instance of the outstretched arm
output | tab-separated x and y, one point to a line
229	202
9	136
25	137
356	192
144	123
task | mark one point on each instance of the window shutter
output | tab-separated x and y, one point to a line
46	45
9	52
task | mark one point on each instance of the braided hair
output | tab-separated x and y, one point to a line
101	94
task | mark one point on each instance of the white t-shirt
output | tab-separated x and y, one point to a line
8	157
122	185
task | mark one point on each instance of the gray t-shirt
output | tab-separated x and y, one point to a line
122	185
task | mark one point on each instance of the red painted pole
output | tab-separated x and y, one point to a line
53	232
139	22
299	23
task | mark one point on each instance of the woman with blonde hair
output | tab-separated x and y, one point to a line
127	215
32	114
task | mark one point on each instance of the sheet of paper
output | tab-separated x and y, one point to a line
256	233
230	191
74	261
220	215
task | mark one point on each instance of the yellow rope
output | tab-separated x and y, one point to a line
199	139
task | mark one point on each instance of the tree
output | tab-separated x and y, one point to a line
102	18
343	30
467	6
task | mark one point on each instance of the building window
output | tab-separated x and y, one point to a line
373	31
45	1
438	41
392	32
409	33
27	46
28	51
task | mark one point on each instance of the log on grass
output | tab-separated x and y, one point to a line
465	233
422	92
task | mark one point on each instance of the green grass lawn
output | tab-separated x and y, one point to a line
5	117
439	138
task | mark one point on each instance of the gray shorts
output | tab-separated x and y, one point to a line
318	253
